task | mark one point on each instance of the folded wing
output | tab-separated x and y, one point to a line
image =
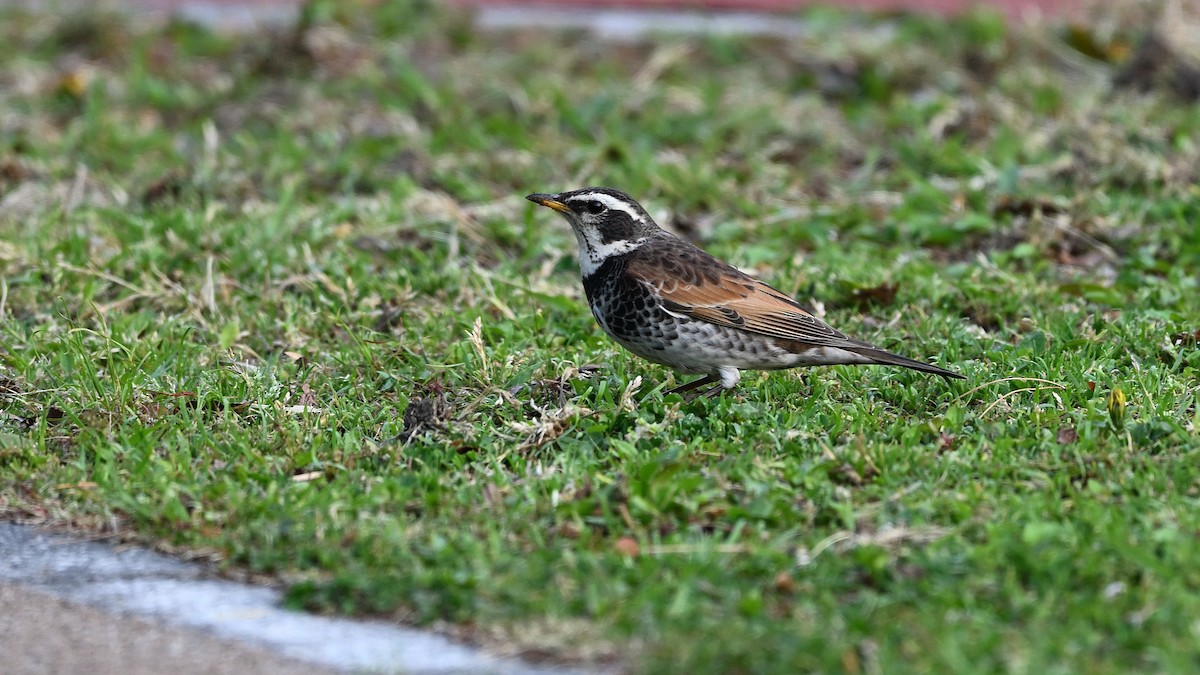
737	300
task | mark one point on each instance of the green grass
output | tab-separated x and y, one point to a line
278	300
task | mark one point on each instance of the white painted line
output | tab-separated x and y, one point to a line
152	585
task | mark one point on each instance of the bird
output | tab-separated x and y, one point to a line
670	302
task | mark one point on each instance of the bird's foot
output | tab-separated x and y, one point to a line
688	389
696	388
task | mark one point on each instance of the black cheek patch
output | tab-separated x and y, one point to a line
617	226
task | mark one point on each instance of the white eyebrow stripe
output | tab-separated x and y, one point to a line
610	202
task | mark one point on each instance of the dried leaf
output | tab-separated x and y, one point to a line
81	485
1028	207
946	442
167	188
627	547
1086	41
298	409
882	295
784	583
568	530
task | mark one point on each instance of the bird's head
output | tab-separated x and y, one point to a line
607	222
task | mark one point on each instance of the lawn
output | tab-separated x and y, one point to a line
276	301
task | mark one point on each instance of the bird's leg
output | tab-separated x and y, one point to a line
728	376
695	384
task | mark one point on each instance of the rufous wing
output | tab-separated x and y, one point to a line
734	299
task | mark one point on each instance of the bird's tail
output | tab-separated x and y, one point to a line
878	356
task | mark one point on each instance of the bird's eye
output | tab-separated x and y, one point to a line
594	208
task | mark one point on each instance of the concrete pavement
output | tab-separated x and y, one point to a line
41	634
71	606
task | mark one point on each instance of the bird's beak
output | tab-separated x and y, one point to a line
549	200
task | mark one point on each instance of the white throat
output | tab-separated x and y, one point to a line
593	253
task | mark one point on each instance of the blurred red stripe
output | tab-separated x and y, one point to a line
1011	8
